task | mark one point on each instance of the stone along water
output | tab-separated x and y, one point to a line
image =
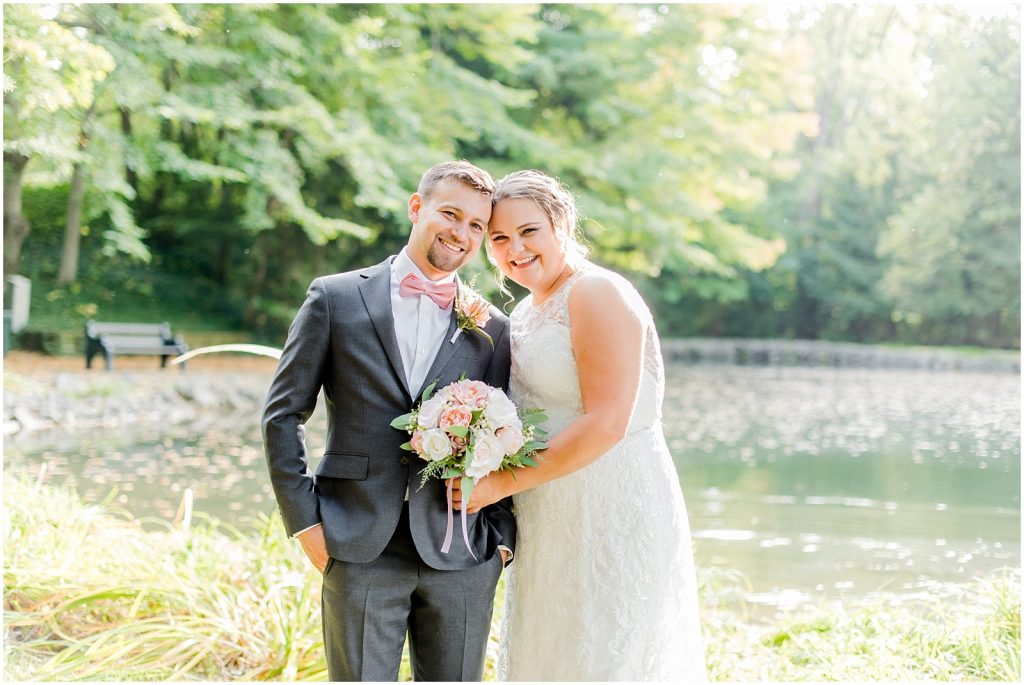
812	483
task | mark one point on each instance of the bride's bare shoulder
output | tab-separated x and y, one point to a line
606	294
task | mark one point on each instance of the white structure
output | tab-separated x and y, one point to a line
21	291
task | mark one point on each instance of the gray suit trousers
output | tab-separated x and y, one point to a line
368	609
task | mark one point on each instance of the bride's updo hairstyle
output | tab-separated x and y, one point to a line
554	198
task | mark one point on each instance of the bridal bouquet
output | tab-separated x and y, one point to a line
467	430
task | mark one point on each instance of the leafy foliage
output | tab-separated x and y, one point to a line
844	171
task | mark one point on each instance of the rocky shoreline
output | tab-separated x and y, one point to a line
47	393
823	353
65	400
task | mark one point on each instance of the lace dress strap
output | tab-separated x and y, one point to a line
558	304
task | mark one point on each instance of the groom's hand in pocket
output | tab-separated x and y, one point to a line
314	545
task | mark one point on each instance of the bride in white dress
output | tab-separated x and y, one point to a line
602	585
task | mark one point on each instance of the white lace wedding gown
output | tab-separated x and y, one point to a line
603	585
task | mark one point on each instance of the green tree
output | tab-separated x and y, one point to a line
891	115
756	170
138	38
864	70
954	243
664	120
50	75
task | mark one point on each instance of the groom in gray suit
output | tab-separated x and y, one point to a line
373	339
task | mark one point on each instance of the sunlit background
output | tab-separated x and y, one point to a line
823	173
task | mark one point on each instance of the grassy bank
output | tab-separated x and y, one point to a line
88	594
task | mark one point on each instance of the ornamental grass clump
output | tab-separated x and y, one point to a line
89	594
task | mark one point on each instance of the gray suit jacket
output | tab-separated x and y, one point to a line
343	340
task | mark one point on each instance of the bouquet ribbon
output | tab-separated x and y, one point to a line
447	545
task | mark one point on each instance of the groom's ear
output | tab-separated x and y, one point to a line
415	204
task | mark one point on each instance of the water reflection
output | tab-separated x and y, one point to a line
147	468
812	483
823	483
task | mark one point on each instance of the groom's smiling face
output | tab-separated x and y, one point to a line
448	226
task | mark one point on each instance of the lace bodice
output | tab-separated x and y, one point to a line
602	585
544	372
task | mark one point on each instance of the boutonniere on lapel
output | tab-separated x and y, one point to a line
472	312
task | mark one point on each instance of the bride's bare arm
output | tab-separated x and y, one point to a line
607	340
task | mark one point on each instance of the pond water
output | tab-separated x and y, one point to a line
830	483
812	483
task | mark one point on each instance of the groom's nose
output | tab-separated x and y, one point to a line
463	228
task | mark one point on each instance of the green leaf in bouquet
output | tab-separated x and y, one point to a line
535	445
451	473
534	417
528	461
428	391
432	470
467	489
407	446
460	431
403	422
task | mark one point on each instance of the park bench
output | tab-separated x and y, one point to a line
131	338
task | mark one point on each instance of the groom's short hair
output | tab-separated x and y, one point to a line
461	171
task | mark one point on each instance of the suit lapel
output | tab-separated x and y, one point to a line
376	293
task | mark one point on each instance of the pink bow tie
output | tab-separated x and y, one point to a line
443	294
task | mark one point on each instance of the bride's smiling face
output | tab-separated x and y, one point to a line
524	244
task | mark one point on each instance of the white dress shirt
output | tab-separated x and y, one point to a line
420	325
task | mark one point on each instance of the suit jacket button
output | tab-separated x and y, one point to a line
403	461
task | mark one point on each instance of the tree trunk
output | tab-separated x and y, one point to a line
258	276
73	227
76	198
807	307
126	130
16	225
806	313
164	179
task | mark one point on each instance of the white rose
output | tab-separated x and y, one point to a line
511	438
487	454
436	444
500	410
430	412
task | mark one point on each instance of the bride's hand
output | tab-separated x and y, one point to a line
486	491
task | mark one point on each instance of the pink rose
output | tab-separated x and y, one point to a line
455	416
476	308
417	441
511	438
458	443
473	394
